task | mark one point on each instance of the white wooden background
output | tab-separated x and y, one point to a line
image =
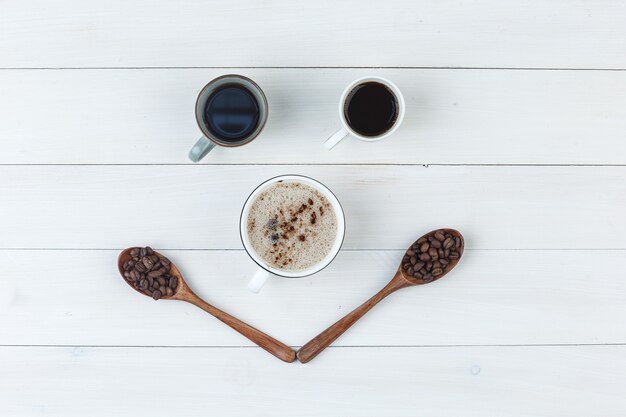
515	133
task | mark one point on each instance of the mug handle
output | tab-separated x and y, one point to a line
202	147
335	138
258	280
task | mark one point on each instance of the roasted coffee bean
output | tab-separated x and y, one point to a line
424	247
418	266
436	244
156	294
421	240
149	250
142	252
433	253
410	252
454	255
440	236
147	262
413	260
143	284
437	272
447	244
169	292
457	241
155	274
161	280
424	257
410	271
428	277
173	283
139	266
134	252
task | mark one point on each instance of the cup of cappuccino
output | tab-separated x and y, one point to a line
371	108
292	226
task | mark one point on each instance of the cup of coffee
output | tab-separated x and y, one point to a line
292	226
231	111
371	108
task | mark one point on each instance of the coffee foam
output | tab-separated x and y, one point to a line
292	226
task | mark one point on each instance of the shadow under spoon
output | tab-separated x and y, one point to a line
184	293
404	277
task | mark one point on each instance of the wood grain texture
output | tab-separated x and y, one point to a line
576	381
480	33
386	207
452	117
490	298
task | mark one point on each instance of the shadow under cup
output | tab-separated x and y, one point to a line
231	111
265	270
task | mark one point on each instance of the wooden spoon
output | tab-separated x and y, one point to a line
400	280
184	293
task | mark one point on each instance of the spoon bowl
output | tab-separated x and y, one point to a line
405	276
182	292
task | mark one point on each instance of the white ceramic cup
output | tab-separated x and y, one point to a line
265	270
347	130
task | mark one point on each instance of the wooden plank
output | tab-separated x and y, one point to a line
386	207
481	33
442	382
452	117
492	298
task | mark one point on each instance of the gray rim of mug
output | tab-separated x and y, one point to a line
343	214
208	134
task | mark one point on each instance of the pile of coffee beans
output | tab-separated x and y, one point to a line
149	273
431	255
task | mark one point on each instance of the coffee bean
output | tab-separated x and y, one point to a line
421	240
436	244
440	236
428	277
139	266
143	284
413	260
173	283
406	266
169	292
418	266
142	252
433	253
437	272
457	241
424	257
410	271
155	285
147	262
410	252
155	274
454	255
424	247
156	294
447	244
149	250
429	266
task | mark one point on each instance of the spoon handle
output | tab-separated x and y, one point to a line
320	342
273	346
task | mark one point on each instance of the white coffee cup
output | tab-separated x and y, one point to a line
347	130
265	270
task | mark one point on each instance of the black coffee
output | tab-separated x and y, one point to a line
231	113
371	109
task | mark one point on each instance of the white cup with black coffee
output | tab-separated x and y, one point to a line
371	108
291	226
